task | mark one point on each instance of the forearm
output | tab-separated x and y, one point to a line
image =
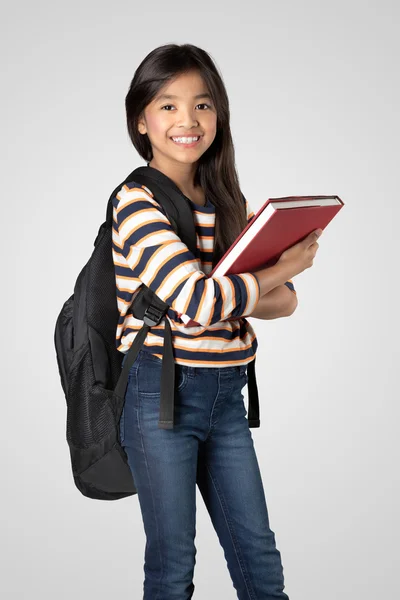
279	302
270	278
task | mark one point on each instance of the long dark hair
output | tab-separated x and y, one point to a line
216	170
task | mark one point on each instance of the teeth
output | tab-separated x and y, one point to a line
186	140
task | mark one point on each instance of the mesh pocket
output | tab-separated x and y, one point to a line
90	408
64	341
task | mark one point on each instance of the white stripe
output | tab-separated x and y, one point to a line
195	344
206	244
137	219
252	295
125	195
171	281
226	286
204	219
164	255
127	283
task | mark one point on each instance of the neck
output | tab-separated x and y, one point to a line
181	174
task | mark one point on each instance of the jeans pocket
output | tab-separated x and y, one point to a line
149	377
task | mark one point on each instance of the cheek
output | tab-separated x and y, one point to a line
157	125
211	121
211	127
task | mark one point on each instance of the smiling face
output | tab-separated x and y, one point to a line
188	111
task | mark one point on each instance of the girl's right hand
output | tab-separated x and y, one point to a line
299	257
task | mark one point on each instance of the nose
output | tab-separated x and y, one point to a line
187	120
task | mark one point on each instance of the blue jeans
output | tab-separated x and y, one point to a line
210	445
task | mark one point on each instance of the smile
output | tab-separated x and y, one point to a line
188	142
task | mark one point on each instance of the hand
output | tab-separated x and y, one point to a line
299	257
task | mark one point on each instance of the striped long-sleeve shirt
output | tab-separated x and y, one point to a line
147	250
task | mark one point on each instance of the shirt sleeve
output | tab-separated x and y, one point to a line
250	214
290	285
143	234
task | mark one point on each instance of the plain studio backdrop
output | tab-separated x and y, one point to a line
314	96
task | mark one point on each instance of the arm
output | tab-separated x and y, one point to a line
144	239
279	302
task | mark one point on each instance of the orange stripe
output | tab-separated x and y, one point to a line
212	312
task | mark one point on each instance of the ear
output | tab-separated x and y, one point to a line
141	125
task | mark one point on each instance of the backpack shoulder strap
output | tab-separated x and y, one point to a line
173	202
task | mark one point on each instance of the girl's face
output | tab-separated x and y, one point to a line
186	112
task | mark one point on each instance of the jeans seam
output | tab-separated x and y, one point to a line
121	423
233	537
211	424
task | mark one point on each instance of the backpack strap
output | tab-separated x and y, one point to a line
253	415
173	202
153	316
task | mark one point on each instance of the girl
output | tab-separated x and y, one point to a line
178	120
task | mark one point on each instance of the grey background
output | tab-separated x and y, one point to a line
314	92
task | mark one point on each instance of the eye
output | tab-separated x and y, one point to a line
169	105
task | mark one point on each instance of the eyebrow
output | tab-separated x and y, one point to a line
171	97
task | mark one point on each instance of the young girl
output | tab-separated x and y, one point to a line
178	120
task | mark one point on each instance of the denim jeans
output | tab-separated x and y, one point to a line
210	445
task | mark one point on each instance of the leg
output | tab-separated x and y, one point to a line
230	482
163	464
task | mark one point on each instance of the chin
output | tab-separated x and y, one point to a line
186	160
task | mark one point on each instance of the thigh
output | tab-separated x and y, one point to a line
230	482
163	461
163	464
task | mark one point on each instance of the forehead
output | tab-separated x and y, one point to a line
186	86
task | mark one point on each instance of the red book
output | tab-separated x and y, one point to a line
278	225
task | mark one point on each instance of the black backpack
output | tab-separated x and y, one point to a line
89	363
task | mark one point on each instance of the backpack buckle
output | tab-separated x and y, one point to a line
152	315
